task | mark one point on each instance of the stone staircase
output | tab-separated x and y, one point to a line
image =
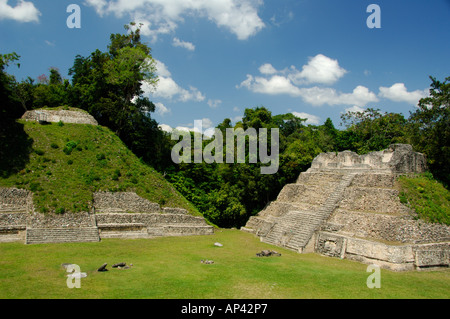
61	235
295	229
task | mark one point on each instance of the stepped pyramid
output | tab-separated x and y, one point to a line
347	206
300	209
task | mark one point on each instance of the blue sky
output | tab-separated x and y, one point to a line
315	58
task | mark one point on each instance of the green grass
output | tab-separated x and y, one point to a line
63	164
166	268
429	198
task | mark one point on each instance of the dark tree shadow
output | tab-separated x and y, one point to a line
15	148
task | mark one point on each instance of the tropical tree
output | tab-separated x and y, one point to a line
9	106
430	128
371	130
109	85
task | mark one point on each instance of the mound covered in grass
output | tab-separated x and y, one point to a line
63	164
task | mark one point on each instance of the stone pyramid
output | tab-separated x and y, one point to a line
347	206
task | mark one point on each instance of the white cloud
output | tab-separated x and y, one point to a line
275	85
165	128
161	109
24	11
163	16
167	88
290	81
399	93
355	109
183	128
214	103
320	69
310	119
237	119
207	127
162	69
187	45
267	69
317	96
207	123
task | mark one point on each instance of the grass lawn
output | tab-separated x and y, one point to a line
170	268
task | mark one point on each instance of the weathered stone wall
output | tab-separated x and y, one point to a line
312	194
65	116
69	220
142	225
257	226
319	178
148	219
389	228
14	200
13	219
171	210
12	226
398	158
108	202
374	180
375	200
393	257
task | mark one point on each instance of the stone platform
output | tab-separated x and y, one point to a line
114	215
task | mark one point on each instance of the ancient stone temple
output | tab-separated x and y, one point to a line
114	215
347	206
55	116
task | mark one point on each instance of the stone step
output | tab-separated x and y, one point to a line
61	235
295	229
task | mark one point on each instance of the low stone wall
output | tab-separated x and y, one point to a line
148	219
389	228
13	219
13	226
141	225
69	220
392	257
181	230
65	116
